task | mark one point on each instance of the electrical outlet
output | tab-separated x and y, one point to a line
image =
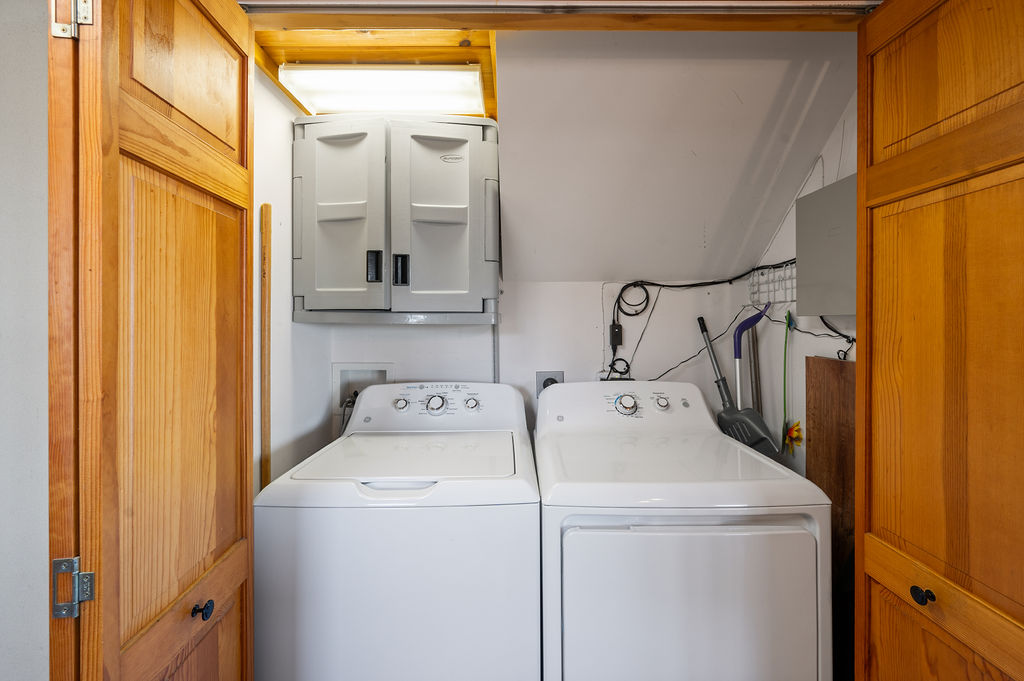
546	376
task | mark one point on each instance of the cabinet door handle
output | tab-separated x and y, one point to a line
921	596
401	270
374	264
205	610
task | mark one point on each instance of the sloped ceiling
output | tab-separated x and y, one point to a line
663	156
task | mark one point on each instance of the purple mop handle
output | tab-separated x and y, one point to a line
737	335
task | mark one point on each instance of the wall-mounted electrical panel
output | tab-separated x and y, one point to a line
826	250
395	219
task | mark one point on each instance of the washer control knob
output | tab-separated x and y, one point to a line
472	403
436	405
661	402
401	404
626	404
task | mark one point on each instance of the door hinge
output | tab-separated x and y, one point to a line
81	13
81	587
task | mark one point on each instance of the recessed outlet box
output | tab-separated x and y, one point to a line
348	377
546	376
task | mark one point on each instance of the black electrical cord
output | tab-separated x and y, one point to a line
697	354
626	308
849	339
838	335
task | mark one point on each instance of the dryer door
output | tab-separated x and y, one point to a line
735	603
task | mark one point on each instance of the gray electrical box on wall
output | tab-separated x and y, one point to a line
395	219
826	250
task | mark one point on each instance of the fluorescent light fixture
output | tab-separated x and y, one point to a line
344	88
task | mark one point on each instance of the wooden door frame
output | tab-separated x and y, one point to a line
85	432
63	340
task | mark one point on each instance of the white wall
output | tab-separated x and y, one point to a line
24	570
838	159
664	155
559	189
300	353
545	325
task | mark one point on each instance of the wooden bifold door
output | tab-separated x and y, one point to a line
941	367
160	307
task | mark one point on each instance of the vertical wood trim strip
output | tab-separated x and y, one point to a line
493	45
862	503
265	247
246	484
62	346
98	91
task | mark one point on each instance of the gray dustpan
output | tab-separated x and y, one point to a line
744	425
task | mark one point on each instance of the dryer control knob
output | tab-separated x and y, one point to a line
662	403
436	405
401	404
626	404
472	403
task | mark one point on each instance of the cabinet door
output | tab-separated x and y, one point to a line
443	217
340	247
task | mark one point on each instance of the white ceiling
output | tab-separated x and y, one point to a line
663	156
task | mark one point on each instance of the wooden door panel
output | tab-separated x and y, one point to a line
174	634
947	382
958	64
179	458
213	655
186	67
217	656
906	646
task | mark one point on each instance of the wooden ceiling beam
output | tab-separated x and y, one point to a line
269	66
363	38
284	21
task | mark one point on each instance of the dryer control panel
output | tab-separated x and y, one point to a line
438	406
640	404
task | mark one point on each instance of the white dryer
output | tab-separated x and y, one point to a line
670	551
406	549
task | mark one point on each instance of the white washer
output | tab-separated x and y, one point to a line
670	551
406	549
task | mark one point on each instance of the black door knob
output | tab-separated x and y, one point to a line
921	596
207	610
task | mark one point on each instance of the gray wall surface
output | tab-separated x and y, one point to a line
24	619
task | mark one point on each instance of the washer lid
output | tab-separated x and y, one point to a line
697	469
370	457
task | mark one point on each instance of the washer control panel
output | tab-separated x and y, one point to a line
437	406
